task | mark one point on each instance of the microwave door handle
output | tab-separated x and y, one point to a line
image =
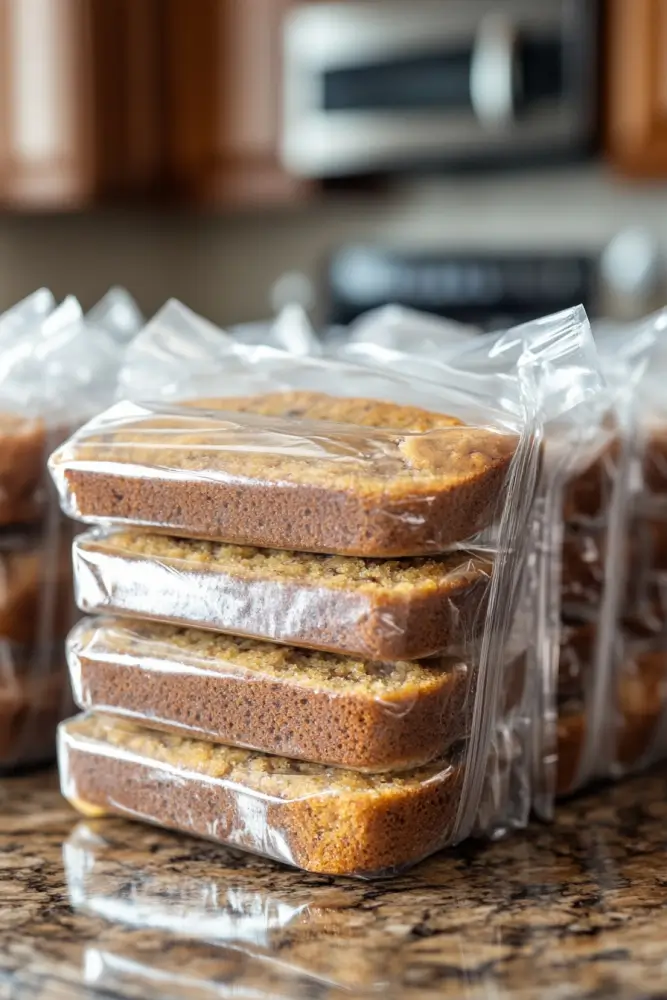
493	72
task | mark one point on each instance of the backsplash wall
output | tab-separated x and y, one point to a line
224	266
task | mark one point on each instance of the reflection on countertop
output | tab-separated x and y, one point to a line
106	908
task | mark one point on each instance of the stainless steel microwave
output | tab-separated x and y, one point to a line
378	85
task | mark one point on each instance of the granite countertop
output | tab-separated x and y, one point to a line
112	909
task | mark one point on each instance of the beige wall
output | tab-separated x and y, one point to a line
224	266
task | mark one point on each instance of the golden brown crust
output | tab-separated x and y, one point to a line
320	819
303	404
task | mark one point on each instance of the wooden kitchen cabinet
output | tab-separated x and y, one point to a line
103	100
636	91
222	102
80	101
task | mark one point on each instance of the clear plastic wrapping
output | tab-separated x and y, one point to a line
260	451
290	331
299	703
331	458
36	612
35	581
117	313
55	370
26	434
579	500
640	647
321	819
25	316
584	568
228	918
378	609
254	475
641	697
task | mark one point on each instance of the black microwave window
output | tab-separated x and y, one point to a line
421	83
441	81
541	69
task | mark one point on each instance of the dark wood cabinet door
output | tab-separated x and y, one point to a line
223	101
636	98
45	103
80	100
126	42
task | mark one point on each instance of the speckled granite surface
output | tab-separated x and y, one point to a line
116	910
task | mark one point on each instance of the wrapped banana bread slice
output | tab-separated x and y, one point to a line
298	703
321	819
295	470
378	609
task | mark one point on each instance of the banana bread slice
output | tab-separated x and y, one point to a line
23	454
378	609
322	819
382	480
278	699
641	690
35	583
35	697
643	705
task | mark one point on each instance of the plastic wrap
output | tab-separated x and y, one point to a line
314	467
25	316
596	566
641	628
214	904
25	436
290	331
272	481
378	609
117	313
30	581
36	611
289	464
583	569
54	374
410	331
321	819
579	500
99	854
305	704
